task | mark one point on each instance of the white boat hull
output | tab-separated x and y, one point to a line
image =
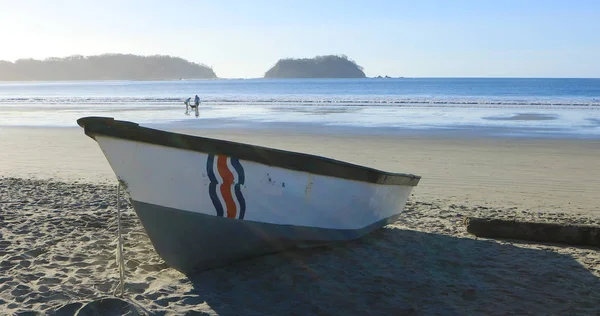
206	209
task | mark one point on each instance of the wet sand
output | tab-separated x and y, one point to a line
58	233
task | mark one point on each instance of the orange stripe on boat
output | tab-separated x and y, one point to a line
226	186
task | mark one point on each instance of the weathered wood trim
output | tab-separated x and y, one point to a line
268	156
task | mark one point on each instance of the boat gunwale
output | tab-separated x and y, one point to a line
108	126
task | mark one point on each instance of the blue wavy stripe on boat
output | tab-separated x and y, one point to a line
212	188
240	197
239	169
238	193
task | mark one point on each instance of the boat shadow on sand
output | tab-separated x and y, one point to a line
392	271
397	271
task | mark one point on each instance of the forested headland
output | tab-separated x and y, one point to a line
104	67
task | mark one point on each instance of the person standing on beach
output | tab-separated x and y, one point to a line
187	105
197	104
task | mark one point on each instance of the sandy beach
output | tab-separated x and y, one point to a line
58	233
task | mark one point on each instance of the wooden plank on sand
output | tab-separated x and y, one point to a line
584	235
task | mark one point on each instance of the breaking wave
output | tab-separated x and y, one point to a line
314	101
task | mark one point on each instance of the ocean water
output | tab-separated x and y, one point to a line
518	107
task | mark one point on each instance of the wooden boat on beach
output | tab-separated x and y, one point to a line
207	202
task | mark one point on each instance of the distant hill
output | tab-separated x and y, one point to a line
104	67
330	66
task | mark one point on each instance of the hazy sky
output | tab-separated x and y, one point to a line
443	38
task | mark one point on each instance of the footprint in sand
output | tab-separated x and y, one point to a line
33	253
49	281
20	290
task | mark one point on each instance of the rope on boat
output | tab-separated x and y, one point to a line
120	259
